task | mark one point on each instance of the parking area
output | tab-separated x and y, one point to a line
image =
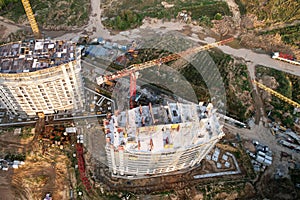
97	103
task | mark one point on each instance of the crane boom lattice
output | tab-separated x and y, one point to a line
278	95
31	18
136	67
156	62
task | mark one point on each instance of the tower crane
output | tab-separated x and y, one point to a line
31	18
278	95
132	69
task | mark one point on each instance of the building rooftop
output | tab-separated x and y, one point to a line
33	55
162	128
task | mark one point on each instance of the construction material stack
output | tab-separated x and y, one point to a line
81	166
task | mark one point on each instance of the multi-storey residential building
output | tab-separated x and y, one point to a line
40	76
150	140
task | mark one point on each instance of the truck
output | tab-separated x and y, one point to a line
289	145
285	57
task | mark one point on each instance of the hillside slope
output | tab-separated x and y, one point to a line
54	14
273	10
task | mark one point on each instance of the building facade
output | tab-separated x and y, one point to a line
155	141
40	76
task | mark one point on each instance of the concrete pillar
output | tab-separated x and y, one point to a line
121	159
113	162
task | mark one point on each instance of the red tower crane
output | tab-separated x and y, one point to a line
132	69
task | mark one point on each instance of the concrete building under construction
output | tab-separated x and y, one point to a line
157	140
40	76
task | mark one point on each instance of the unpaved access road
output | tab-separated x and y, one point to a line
151	27
261	59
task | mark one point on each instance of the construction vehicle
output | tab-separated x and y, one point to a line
285	57
31	19
273	132
289	145
133	69
278	95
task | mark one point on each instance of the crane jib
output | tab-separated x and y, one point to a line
136	67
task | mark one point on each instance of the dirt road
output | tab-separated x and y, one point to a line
234	8
95	21
151	27
261	59
7	27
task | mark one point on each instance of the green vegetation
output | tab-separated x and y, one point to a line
237	154
4	3
273	10
218	16
289	87
57	138
245	159
41	179
10	129
127	19
201	10
242	6
26	133
49	13
17	156
205	21
198	84
289	34
213	189
236	83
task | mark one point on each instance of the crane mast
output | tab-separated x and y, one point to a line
31	18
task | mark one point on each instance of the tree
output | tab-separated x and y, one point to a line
218	16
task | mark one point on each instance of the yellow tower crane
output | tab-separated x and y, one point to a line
278	95
31	18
